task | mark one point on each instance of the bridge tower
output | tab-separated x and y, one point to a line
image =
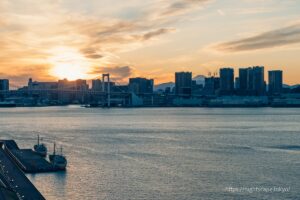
106	82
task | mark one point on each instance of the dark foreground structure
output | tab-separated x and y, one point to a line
28	160
13	182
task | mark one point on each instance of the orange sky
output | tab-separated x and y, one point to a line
55	39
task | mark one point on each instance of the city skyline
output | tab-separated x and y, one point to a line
230	79
153	39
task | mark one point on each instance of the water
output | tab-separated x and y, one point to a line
164	153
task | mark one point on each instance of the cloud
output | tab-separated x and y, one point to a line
118	73
155	33
181	7
272	39
31	29
91	53
19	75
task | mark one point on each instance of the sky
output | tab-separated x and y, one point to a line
54	39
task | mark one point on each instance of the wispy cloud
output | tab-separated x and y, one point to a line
118	73
178	7
285	36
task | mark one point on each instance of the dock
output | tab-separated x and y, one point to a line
13	182
26	159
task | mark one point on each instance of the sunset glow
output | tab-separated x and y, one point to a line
69	64
153	38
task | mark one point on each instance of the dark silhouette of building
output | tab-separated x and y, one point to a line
212	85
97	85
251	81
275	82
183	83
226	81
258	81
237	83
141	85
37	85
4	84
243	79
4	87
72	91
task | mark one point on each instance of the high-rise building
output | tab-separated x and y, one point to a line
226	81
243	79
97	85
4	84
212	85
252	81
183	83
141	85
259	85
275	82
237	83
70	91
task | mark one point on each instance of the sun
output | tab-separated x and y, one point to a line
68	63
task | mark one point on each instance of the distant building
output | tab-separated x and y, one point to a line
275	82
183	83
73	85
72	91
4	84
226	81
141	85
237	83
243	79
252	81
36	85
197	89
212	85
259	85
96	85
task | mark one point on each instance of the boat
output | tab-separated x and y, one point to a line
58	160
40	148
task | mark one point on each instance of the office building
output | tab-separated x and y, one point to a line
275	82
226	81
97	85
212	86
37	85
141	85
4	84
251	81
243	79
183	83
259	85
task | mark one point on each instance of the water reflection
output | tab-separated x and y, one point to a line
162	153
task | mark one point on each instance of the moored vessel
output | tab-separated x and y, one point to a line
40	148
58	161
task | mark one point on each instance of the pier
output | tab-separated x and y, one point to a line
28	160
13	182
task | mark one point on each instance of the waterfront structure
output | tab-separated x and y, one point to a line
243	79
259	84
96	85
72	91
139	91
275	82
212	85
237	83
252	81
183	83
140	85
226	81
4	84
